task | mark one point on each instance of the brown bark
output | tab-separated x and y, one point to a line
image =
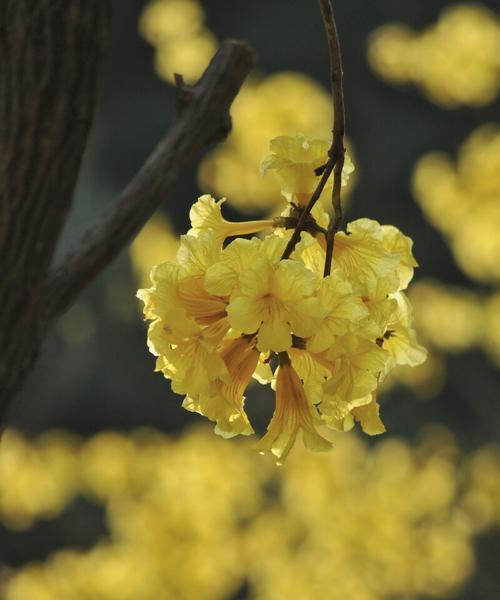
49	63
50	56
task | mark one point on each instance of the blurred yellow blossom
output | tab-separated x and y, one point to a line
36	480
450	318
491	338
155	243
182	42
461	201
455	61
177	529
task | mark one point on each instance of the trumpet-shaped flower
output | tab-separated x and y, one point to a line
224	402
292	414
206	215
186	352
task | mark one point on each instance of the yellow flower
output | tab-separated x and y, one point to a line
225	400
356	366
360	253
295	159
204	308
282	103
339	312
292	413
197	253
186	352
365	410
400	339
238	256
206	215
276	301
368	416
377	298
162	296
313	370
397	243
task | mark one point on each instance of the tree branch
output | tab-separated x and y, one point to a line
204	118
50	61
337	150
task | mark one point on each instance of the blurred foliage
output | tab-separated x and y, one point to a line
196	517
455	61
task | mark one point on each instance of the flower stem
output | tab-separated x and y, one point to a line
250	226
337	149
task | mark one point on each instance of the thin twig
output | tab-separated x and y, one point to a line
204	119
337	150
300	227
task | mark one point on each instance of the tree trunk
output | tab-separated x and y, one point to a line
50	58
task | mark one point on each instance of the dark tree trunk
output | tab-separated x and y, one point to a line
50	57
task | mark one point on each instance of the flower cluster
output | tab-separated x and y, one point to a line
227	312
455	61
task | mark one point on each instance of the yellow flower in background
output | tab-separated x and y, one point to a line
183	44
294	159
491	329
448	317
36	481
455	61
461	201
177	528
228	307
155	243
